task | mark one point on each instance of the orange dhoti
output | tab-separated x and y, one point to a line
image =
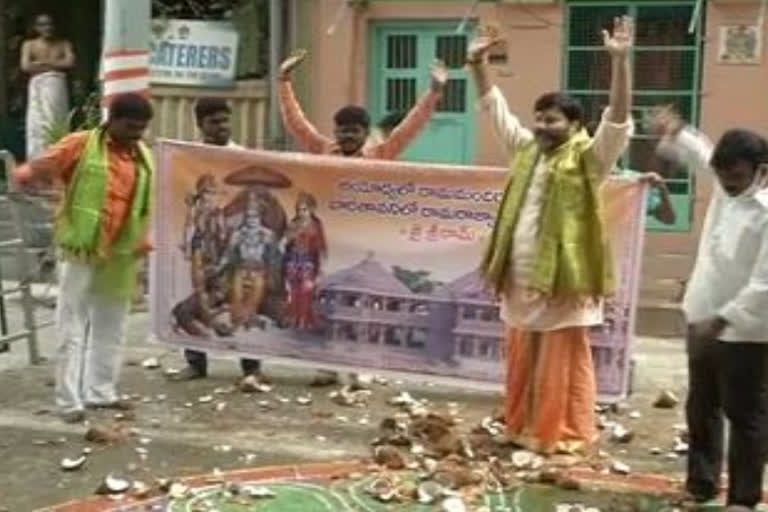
551	390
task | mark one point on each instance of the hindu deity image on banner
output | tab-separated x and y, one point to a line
352	263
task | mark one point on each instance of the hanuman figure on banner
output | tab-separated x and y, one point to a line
205	232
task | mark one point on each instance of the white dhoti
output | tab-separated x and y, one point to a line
91	329
47	105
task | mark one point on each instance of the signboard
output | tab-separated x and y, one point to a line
740	44
352	263
195	53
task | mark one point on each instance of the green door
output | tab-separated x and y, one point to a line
401	54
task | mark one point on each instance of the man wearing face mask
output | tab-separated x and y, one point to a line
726	306
548	260
352	123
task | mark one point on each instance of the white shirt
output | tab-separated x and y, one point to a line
730	276
521	307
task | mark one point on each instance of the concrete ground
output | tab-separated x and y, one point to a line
181	436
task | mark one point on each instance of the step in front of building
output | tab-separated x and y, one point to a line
660	319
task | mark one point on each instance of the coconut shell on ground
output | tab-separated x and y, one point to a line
257	175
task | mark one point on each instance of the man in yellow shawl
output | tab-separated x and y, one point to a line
101	235
548	260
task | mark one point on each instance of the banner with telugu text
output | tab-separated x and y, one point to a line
352	264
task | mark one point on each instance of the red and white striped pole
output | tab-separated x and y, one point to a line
125	62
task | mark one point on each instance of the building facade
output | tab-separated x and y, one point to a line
704	57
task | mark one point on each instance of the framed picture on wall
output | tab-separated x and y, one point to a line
740	44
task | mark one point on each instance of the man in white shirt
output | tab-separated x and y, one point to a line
213	117
726	306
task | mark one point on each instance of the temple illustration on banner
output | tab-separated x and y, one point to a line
455	323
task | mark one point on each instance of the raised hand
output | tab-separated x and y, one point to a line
289	64
620	41
485	39
438	75
652	179
665	121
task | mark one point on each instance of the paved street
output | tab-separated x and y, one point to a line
182	436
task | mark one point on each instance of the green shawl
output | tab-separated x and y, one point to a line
78	224
572	255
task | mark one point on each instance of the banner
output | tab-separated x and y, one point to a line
352	264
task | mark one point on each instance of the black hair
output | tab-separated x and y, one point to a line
130	105
568	105
208	106
591	127
391	120
352	114
739	145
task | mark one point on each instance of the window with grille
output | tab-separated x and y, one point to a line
400	56
665	70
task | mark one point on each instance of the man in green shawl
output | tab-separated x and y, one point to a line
101	235
548	259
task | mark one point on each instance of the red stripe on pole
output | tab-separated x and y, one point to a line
121	74
125	53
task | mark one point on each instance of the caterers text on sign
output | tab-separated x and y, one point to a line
200	53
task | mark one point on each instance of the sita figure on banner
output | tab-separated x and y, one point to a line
305	251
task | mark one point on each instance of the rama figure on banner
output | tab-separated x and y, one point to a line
248	258
236	255
549	258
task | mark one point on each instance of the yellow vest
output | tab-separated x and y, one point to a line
572	256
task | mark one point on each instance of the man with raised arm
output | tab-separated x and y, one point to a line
548	260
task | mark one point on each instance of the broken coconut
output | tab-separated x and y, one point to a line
666	400
404	398
177	491
620	468
252	384
619	434
113	485
259	493
389	457
453	504
345	396
522	459
140	490
383	489
151	363
103	435
68	464
680	447
304	400
429	492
